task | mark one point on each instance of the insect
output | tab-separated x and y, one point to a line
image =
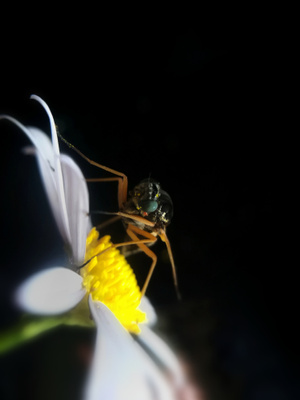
146	211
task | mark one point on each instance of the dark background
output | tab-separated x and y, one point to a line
198	106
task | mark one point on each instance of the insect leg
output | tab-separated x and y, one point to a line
131	231
123	182
162	234
137	242
108	222
120	186
165	239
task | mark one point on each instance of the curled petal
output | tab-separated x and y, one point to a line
49	183
36	139
77	202
121	369
52	291
64	183
46	165
51	174
57	164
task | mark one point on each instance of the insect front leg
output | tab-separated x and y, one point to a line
122	197
122	178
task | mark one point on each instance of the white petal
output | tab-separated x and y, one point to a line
51	174
44	150
121	370
52	124
49	182
163	353
77	201
46	165
52	291
37	140
45	157
57	165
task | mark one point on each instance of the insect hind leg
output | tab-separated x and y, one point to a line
151	239
165	239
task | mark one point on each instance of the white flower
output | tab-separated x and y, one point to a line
121	369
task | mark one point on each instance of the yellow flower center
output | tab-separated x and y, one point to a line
109	279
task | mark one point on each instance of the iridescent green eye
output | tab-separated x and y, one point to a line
148	205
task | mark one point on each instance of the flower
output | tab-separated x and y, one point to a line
121	368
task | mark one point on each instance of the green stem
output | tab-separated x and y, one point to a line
30	326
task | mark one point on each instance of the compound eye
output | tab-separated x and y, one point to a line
148	206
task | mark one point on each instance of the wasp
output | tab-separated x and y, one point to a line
146	211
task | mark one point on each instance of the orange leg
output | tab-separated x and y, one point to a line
108	222
131	231
123	180
121	194
137	242
165	239
133	217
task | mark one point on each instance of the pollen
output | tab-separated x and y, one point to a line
109	278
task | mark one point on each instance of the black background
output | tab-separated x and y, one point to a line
198	106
